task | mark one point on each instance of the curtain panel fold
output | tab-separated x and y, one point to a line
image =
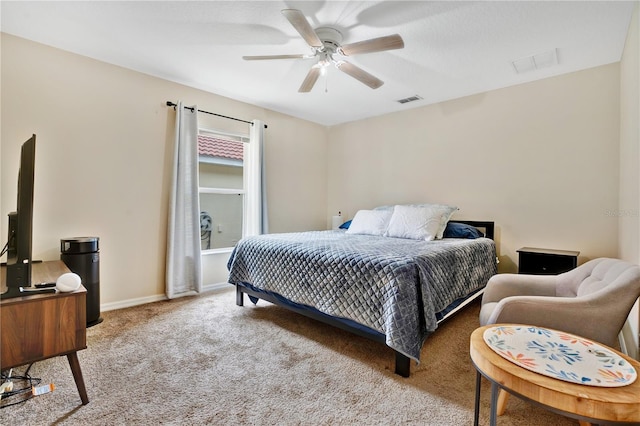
184	267
256	220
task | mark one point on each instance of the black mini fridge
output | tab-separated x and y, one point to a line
82	257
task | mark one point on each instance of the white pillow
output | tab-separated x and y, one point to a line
370	222
415	222
447	213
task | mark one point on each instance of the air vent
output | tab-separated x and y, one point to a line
409	99
535	62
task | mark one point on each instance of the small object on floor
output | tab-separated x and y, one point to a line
41	390
6	387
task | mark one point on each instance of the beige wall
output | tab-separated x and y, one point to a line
629	229
540	159
104	147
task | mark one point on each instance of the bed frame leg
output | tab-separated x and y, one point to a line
403	365
239	296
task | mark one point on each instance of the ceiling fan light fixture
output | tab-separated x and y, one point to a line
326	42
325	59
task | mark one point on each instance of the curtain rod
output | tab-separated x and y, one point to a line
174	105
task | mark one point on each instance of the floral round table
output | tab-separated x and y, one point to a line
601	401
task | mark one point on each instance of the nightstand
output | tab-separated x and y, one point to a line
539	261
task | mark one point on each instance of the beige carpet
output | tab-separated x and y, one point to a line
204	360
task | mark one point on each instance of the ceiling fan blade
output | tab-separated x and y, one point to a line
258	58
359	74
310	80
300	23
373	45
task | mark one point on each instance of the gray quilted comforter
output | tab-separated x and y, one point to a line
391	285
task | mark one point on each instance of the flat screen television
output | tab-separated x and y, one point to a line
20	231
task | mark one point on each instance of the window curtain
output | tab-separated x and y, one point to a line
256	220
184	267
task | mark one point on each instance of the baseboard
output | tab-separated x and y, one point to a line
218	287
104	307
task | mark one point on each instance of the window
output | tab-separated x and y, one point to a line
222	189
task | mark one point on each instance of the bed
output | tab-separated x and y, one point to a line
391	290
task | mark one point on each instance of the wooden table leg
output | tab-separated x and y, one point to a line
77	376
503	397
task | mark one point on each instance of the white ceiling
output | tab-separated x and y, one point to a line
452	49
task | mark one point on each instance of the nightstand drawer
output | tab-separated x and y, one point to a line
546	261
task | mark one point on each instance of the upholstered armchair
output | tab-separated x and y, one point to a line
592	301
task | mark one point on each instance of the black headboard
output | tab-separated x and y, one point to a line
487	228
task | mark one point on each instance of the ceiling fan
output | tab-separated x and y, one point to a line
325	43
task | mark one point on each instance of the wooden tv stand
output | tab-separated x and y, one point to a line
41	326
